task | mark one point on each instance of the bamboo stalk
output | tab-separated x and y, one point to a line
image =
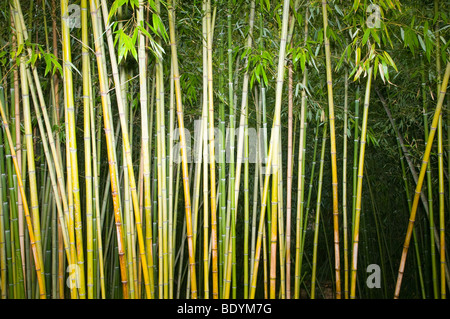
72	146
187	196
359	188
110	146
289	185
36	256
274	140
333	151
317	219
301	170
420	180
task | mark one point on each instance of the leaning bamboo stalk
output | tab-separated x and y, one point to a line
65	236
423	168
55	152
429	188
36	256
408	198
413	173
30	164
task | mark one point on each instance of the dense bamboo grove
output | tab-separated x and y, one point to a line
224	149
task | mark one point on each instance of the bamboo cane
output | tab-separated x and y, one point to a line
187	196
423	168
274	140
333	152
317	219
359	188
36	256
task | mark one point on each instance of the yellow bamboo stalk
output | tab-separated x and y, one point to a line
212	160
333	151
54	147
110	146
423	169
72	143
126	143
273	231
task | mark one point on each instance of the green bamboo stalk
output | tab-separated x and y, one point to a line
222	158
318	204
344	186
4	224
308	201
359	188
301	170
355	157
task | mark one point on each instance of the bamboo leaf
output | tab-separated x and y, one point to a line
391	62
366	36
